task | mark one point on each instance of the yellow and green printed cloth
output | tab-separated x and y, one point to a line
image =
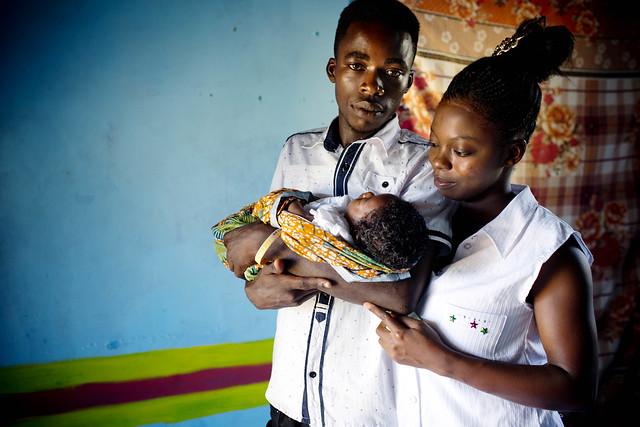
299	234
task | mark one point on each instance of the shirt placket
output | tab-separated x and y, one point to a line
313	407
314	372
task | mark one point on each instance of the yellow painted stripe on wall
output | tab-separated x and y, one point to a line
164	410
159	363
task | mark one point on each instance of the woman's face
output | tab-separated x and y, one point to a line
467	155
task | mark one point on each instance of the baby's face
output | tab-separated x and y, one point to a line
366	203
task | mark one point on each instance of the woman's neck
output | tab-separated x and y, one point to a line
474	214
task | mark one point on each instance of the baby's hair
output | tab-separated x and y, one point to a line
395	234
505	88
391	13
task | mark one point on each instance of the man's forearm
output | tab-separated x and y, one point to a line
242	245
398	296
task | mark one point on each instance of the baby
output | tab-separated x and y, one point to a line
369	238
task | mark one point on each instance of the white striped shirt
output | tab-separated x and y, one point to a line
328	368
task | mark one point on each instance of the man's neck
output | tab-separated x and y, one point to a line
348	135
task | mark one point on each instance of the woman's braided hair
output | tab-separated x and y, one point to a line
505	88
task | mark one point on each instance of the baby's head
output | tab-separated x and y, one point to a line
389	229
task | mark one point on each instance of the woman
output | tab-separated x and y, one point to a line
508	331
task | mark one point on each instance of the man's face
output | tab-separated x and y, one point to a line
371	72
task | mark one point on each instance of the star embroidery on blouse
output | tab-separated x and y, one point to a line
452	318
474	324
484	331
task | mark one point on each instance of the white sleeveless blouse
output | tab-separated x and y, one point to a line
477	304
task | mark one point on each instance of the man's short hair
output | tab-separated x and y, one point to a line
394	234
391	13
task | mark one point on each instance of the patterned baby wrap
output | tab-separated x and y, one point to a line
299	234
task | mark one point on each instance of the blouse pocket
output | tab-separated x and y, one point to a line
473	332
378	183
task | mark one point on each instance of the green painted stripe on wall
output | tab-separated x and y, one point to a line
152	364
163	410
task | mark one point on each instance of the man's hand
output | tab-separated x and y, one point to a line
242	245
274	288
295	207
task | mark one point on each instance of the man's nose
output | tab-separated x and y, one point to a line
372	83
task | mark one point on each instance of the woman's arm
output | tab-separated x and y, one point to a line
563	308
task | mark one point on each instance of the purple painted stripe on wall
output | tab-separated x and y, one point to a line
49	402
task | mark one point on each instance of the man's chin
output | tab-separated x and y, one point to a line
369	126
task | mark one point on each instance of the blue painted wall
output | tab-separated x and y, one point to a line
126	129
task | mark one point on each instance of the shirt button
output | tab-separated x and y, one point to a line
414	399
312	374
385	184
467	245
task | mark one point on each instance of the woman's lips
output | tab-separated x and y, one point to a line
443	184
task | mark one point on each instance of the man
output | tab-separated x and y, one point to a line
327	366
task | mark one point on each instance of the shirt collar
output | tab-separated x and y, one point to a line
386	136
505	230
332	136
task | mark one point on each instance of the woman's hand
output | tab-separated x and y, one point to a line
409	341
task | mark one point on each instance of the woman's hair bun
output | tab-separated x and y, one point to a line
537	50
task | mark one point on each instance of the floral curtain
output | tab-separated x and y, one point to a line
582	160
